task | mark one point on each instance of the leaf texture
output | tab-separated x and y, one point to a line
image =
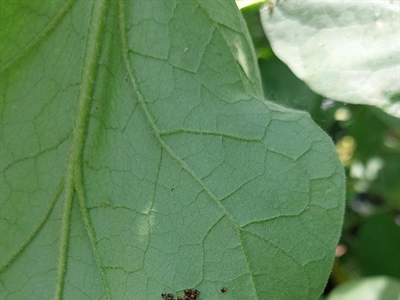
139	157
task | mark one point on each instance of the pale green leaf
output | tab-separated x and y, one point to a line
138	157
372	288
344	50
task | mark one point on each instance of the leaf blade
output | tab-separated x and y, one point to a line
167	153
342	50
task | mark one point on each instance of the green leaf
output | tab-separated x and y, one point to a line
344	50
379	234
251	14
285	88
139	158
246	3
372	288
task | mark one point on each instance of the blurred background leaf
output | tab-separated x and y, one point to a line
377	246
375	288
344	50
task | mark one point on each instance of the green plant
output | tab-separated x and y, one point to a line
348	52
139	157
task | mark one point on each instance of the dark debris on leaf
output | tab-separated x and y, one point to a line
169	296
190	294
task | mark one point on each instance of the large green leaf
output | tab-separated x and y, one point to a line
344	50
139	158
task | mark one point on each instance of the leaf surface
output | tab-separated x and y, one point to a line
347	51
139	158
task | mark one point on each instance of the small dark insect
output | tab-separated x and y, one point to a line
191	294
169	296
126	79
179	298
223	290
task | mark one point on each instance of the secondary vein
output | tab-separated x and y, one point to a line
40	36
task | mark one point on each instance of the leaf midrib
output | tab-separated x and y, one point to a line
73	176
